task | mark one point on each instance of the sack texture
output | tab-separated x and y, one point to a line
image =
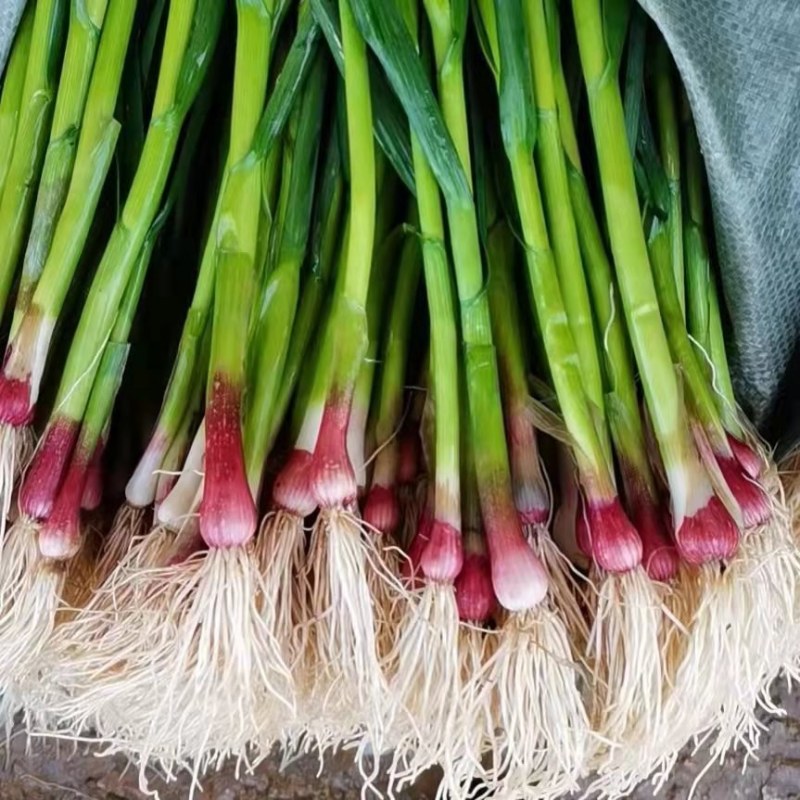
10	12
740	61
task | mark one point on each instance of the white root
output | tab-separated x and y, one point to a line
350	689
280	550
86	683
543	741
130	523
16	450
425	684
568	588
629	673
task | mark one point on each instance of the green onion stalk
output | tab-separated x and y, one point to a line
327	238
86	20
13	86
30	142
532	746
29	347
704	530
381	506
552	170
277	304
325	476
531	494
190	39
387	260
622	400
531	490
702	400
520	581
704	319
343	634
669	146
228	513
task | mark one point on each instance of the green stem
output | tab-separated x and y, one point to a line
11	96
391	389
189	40
329	234
85	25
36	109
629	251
561	222
683	352
485	409
349	325
95	150
669	145
518	132
278	306
704	316
622	404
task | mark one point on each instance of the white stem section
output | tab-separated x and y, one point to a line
178	504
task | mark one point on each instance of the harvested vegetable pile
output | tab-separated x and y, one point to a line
366	387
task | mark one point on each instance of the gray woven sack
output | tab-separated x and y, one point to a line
10	12
740	61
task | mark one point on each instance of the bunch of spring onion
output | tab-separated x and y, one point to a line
435	454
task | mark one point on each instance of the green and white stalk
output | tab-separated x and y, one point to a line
228	515
330	474
616	546
12	89
86	20
328	237
669	147
552	172
190	38
530	488
35	114
622	400
60	537
29	346
387	261
704	317
519	579
381	507
704	531
277	305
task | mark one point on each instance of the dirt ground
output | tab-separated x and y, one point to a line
45	772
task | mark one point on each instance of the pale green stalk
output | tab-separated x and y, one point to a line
86	21
631	258
560	219
622	404
482	381
190	38
36	109
279	296
346	337
518	128
11	94
669	145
